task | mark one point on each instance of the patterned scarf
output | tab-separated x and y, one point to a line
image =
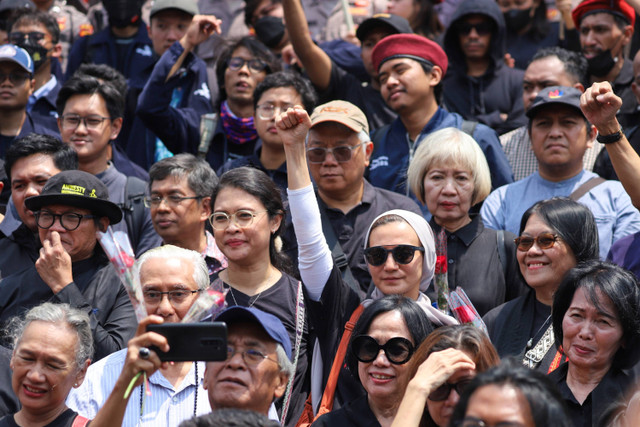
237	129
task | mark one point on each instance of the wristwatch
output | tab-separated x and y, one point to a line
609	139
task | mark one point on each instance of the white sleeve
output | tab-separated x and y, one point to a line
314	257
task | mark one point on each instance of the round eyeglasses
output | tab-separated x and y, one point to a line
242	218
268	111
69	220
366	349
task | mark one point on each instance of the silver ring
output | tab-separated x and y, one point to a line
144	352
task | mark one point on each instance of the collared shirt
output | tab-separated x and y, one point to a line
610	205
214	257
42	92
517	147
166	406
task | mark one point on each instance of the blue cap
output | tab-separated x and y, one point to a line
563	95
13	53
270	323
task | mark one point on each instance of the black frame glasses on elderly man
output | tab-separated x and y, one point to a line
17	37
172	200
68	220
544	241
255	65
366	349
251	356
402	254
342	153
72	121
482	28
176	296
443	392
242	218
17	78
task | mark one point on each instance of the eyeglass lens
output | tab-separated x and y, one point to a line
255	65
69	221
442	392
398	350
402	254
342	153
544	241
482	28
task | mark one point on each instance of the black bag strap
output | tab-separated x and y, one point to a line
339	258
468	127
586	187
502	251
133	208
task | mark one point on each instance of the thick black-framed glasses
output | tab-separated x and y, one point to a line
544	241
402	254
68	220
177	296
255	65
172	200
342	153
18	37
366	349
92	121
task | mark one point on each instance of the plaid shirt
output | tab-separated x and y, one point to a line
214	257
517	147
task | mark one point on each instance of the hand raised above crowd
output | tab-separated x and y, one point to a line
600	105
293	126
200	29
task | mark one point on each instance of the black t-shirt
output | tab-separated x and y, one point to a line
64	420
280	300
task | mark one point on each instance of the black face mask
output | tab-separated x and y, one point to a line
123	13
601	64
269	30
517	19
37	53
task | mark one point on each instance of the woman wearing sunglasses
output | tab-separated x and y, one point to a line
440	369
555	235
382	344
247	221
399	251
449	179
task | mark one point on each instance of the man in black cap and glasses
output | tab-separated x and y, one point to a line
72	268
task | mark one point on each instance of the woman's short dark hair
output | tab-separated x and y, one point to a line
545	402
301	85
467	338
571	221
615	283
260	186
257	49
413	315
64	157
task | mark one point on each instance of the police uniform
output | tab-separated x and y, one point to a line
73	25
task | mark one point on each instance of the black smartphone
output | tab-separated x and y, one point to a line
192	341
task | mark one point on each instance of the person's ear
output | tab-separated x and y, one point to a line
205	209
368	150
116	126
274	223
205	380
81	373
56	50
103	224
283	379
436	76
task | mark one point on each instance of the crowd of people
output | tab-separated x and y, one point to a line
346	173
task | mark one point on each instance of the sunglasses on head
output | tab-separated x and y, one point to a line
442	392
544	241
482	28
366	349
402	254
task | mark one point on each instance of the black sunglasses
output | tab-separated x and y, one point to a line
482	28
366	349
442	392
544	241
402	254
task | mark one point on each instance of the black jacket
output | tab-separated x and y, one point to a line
498	91
19	250
96	289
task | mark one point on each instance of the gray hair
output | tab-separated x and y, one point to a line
283	360
58	314
200	269
200	177
450	146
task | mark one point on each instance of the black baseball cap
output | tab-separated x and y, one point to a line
79	189
564	95
397	24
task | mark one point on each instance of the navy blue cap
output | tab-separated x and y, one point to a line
397	25
564	95
270	323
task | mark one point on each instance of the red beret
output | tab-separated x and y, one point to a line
615	7
409	46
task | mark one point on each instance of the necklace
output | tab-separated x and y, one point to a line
273	272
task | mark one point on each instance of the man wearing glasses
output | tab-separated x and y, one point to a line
479	85
71	267
338	152
16	85
90	117
180	190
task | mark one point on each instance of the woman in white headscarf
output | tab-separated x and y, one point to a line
399	250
